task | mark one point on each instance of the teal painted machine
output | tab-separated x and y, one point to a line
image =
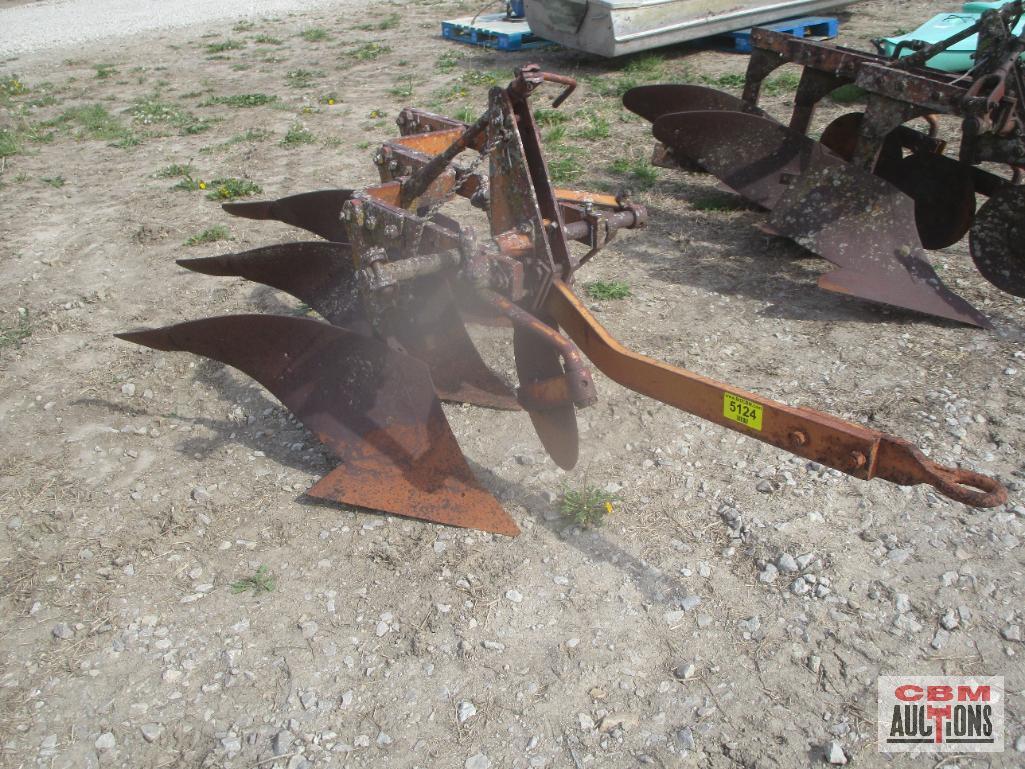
959	57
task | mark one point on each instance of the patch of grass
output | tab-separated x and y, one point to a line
729	80
268	40
297	134
104	71
302	78
94	122
232	188
447	61
315	35
241	100
251	135
718	202
555	135
243	26
153	111
404	88
550	117
847	94
483	77
11	85
588	507
8	143
597	128
640	171
225	45
189	184
370	51
565	166
466	114
388	22
54	181
785	83
646	66
606	290
211	235
615	87
260	582
174	171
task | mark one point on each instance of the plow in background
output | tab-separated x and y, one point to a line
873	193
394	279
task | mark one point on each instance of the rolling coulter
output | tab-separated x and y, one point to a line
394	278
874	192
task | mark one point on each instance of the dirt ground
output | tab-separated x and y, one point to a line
137	487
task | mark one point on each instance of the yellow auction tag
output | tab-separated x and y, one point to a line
741	410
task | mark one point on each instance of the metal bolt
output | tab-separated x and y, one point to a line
798	438
857	460
378	158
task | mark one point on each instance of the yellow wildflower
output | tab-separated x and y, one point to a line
608	508
202	185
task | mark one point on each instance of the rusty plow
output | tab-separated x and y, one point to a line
394	280
874	192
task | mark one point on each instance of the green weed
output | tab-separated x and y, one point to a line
94	122
260	582
466	113
785	83
104	71
482	77
606	290
153	111
564	166
54	181
297	134
370	51
251	135
550	117
241	100
848	94
302	78
8	143
646	66
555	135
232	188
729	80
404	88
447	61
641	172
597	128
718	202
13	336
315	35
174	171
11	85
388	22
588	507
211	235
268	40
225	45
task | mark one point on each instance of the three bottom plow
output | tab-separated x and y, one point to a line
395	279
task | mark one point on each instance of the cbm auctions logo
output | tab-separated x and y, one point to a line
941	713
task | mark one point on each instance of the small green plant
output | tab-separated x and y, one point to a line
588	507
13	336
550	117
211	235
260	582
104	71
94	122
251	135
447	61
482	77
268	40
153	111
370	51
302	78
605	290
11	85
403	89
297	134
231	188
564	166
729	80
315	35
174	171
597	128
363	145
785	83
640	172
555	135
241	100
466	114
189	184
225	45
243	26
54	181
646	66
8	143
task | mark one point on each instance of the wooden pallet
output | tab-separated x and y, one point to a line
821	27
492	30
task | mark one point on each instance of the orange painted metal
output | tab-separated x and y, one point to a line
855	450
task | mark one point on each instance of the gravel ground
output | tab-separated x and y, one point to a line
45	25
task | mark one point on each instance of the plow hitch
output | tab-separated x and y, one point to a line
395	279
875	191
